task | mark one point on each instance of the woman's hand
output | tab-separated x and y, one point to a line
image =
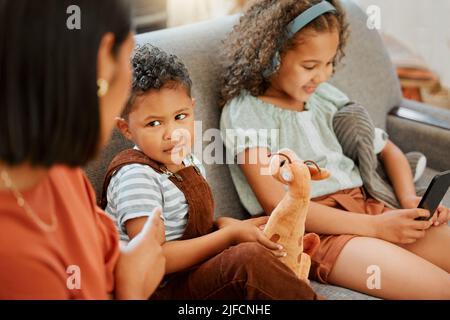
400	226
441	216
250	231
141	264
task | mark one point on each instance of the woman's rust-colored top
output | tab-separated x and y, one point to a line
76	261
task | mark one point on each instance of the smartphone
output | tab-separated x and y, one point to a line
435	193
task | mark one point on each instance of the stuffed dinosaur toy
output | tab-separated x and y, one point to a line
286	224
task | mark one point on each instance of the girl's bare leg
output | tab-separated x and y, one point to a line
401	273
434	247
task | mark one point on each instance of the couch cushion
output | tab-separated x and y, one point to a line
339	293
96	169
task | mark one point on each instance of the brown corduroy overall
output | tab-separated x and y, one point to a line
245	271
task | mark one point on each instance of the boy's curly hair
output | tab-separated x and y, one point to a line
154	68
261	31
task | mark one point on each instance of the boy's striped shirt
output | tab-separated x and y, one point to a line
136	190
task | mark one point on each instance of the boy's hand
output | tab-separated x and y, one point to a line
400	226
223	222
260	222
249	231
441	216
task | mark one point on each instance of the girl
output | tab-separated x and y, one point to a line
60	91
279	58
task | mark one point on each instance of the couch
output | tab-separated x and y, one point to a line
365	74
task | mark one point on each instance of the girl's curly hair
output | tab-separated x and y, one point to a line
260	33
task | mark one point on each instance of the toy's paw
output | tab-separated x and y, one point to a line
311	242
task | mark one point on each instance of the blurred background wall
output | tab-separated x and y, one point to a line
416	33
422	25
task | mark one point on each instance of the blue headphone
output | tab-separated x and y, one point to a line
298	23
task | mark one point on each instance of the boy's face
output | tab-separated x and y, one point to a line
306	65
162	124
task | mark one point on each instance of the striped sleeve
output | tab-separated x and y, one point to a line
137	192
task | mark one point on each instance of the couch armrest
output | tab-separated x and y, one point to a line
416	126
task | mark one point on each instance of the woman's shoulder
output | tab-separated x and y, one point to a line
67	174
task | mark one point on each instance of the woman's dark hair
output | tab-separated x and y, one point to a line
262	31
49	109
154	68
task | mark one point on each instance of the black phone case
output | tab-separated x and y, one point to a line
435	193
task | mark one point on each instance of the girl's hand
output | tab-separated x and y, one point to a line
141	265
441	216
249	231
399	226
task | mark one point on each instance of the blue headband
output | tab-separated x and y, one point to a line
300	22
309	15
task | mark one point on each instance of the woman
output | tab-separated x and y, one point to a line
60	91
